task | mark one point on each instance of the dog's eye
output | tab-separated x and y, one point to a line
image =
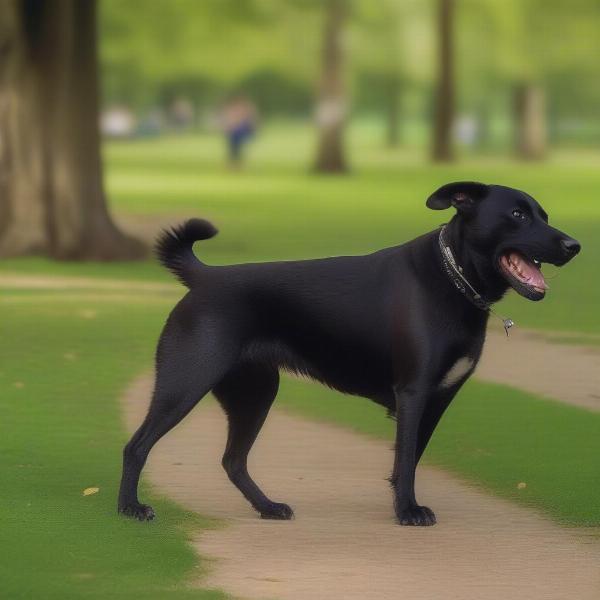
518	214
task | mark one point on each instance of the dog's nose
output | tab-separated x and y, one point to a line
570	246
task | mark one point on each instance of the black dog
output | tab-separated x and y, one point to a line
403	327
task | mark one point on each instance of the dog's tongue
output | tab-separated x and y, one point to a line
528	271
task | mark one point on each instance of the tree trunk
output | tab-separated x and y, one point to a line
55	202
530	121
331	108
442	148
22	229
484	138
393	111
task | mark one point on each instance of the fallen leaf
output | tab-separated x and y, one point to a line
91	490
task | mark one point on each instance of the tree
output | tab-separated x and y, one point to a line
53	201
528	95
552	37
543	51
377	55
444	96
530	120
332	103
393	110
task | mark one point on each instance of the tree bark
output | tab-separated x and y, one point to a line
442	147
332	105
530	121
22	229
54	198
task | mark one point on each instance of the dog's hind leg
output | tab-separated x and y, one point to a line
188	367
246	395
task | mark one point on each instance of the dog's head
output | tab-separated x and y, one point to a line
510	229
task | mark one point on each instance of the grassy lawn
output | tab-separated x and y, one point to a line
68	360
275	209
71	353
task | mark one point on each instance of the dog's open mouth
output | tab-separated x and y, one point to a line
523	274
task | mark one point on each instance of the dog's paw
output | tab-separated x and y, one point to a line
135	510
278	511
416	515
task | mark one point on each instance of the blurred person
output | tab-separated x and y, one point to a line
182	113
467	130
117	122
239	120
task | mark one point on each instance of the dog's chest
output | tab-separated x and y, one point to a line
457	372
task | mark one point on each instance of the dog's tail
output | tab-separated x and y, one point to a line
174	248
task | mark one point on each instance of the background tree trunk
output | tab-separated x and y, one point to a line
22	229
332	105
484	139
530	121
54	202
393	111
442	148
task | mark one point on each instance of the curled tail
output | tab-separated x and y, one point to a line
174	248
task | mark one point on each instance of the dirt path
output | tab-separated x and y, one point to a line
58	282
529	361
344	543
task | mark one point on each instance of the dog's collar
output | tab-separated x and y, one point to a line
455	273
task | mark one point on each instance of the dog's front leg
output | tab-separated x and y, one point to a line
410	404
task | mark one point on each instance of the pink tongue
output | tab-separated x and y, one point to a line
531	273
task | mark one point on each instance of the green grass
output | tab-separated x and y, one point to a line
128	270
64	364
68	355
276	209
495	437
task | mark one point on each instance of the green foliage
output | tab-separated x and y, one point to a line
165	44
155	51
503	42
394	39
202	91
276	94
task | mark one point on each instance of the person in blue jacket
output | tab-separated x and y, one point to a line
239	118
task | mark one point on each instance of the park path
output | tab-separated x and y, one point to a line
530	361
60	282
344	543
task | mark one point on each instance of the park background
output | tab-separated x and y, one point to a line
109	131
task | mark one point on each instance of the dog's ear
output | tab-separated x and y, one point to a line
461	194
